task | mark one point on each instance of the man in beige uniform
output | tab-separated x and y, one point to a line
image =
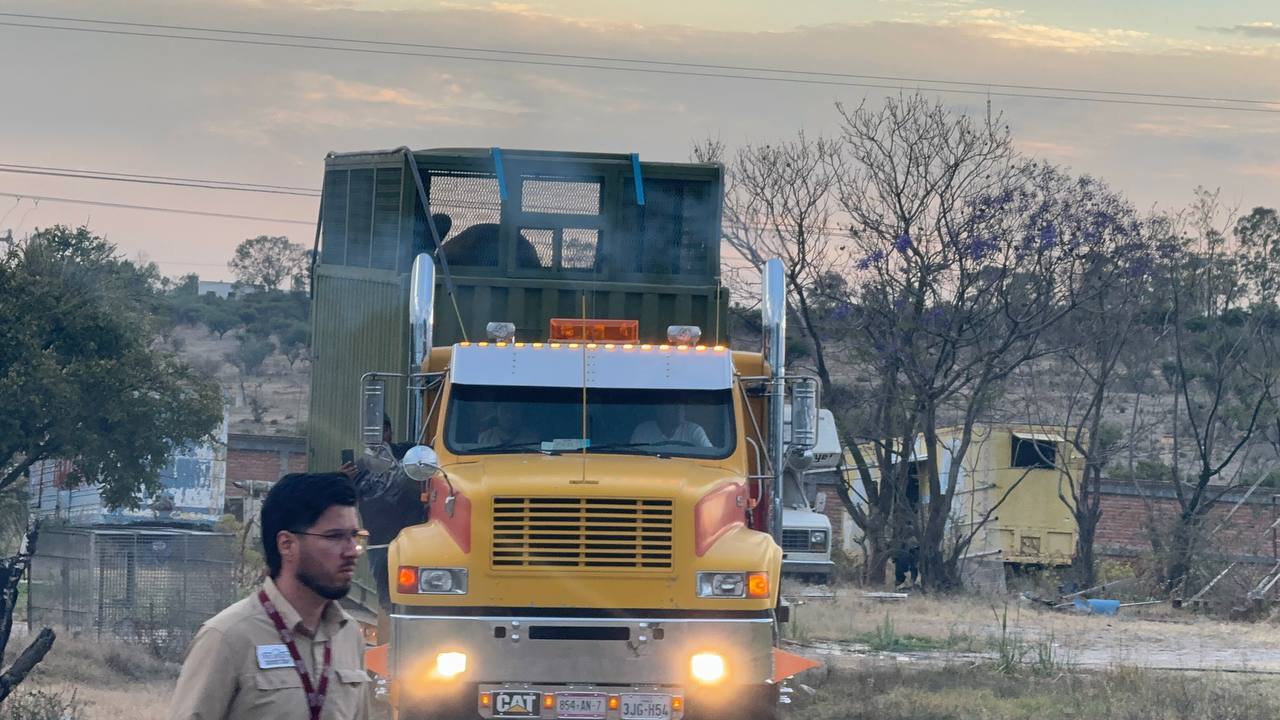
241	664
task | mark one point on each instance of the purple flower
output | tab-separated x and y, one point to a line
903	243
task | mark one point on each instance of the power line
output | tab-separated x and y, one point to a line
655	71
89	176
638	61
153	208
236	183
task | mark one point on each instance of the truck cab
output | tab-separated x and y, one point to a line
806	529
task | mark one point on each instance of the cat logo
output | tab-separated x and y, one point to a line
517	704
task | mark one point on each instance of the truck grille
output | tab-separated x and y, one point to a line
795	540
583	533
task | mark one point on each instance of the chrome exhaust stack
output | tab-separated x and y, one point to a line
422	298
773	311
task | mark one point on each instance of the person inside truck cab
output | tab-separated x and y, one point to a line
670	426
507	428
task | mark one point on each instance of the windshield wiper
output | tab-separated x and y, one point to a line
633	446
532	445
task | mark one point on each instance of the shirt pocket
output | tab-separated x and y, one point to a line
347	688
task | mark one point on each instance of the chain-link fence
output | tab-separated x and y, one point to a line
152	585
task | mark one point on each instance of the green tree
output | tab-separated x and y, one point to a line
267	261
80	378
220	320
251	353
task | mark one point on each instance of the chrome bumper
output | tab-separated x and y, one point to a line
568	650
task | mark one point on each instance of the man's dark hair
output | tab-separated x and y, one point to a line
296	503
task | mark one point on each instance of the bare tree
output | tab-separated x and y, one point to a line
779	202
968	256
1222	372
1103	338
11	571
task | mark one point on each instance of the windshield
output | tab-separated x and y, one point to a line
486	419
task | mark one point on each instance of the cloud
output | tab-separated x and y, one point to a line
1253	30
1265	170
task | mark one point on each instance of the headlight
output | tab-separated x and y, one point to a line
733	585
725	585
432	581
818	540
442	581
707	668
451	664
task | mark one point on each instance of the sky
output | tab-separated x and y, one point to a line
225	111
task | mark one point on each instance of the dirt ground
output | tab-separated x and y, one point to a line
848	631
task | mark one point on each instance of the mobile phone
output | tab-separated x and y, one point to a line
348	455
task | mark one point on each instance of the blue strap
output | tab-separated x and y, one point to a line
497	169
635	170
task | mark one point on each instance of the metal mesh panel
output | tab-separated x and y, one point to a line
567	249
668	234
568	197
471	203
153	585
578	249
544	244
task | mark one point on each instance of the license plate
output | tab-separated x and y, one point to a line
517	704
586	706
646	707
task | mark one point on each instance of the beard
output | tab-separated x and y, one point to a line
324	590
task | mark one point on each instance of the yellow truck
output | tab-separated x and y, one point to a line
601	509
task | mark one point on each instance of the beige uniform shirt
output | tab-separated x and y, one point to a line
223	678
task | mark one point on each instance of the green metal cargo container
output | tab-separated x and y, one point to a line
528	236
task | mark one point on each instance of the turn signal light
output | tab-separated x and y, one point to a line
407	579
758	585
548	701
615	702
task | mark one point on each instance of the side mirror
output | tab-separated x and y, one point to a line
804	414
421	463
373	404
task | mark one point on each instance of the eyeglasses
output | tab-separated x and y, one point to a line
341	537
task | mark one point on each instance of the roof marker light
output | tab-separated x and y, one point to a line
592	346
701	348
628	346
664	348
646	346
482	343
719	348
573	346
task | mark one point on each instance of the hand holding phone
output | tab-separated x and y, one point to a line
348	456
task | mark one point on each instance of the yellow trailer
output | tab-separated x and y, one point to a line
1012	476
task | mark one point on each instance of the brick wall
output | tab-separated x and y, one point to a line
262	458
1126	521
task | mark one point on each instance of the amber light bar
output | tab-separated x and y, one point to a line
617	331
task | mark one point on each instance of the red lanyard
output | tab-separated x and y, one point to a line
315	698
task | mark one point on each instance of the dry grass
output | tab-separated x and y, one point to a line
105	680
963	693
1129	638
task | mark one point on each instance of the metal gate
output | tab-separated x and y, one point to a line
144	584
